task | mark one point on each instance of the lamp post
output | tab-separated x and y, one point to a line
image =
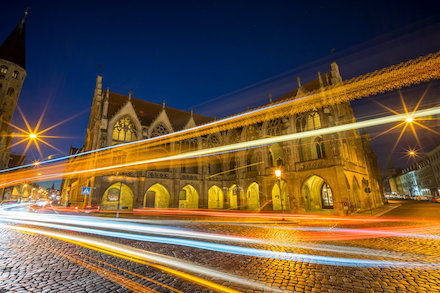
278	175
119	200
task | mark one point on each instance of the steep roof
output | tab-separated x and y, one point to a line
147	111
13	48
308	87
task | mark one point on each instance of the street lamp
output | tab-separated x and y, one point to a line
278	175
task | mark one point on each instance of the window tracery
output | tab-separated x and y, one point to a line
159	130
124	131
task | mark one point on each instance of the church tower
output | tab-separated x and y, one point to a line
12	74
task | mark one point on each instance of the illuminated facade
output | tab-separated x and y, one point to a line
331	173
12	74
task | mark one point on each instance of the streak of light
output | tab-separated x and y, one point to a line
239	250
411	72
179	232
231	147
163	262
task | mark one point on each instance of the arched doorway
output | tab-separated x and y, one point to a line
110	198
317	194
253	197
188	198
157	196
356	194
276	198
215	198
234	197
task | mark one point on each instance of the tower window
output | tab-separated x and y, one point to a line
3	69
10	91
15	74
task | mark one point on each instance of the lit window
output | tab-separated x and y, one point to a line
124	131
3	69
15	74
326	196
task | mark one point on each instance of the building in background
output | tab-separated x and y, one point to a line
12	75
332	173
419	179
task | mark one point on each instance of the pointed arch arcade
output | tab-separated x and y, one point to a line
215	197
157	196
110	198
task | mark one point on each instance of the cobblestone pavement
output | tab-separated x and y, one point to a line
36	263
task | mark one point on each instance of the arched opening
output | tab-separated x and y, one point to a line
356	193
234	197
317	194
188	198
111	196
276	196
215	198
157	196
253	197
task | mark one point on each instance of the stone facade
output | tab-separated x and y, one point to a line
12	75
333	173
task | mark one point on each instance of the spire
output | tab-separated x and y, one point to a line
163	104
13	48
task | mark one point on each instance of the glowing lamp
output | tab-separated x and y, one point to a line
409	119
278	173
32	136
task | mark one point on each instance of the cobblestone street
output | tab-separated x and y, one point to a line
35	263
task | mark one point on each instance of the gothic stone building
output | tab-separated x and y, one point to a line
12	74
333	173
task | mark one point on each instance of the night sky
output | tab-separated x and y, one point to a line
217	57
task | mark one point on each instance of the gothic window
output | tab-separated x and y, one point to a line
190	144
275	127
301	124
326	196
159	130
10	91
15	74
270	159
214	140
313	121
124	131
3	69
251	133
320	149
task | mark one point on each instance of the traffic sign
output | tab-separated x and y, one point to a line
85	191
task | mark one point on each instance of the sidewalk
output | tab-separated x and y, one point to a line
377	212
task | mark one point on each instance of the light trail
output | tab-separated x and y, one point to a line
240	250
166	263
236	146
179	232
405	74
